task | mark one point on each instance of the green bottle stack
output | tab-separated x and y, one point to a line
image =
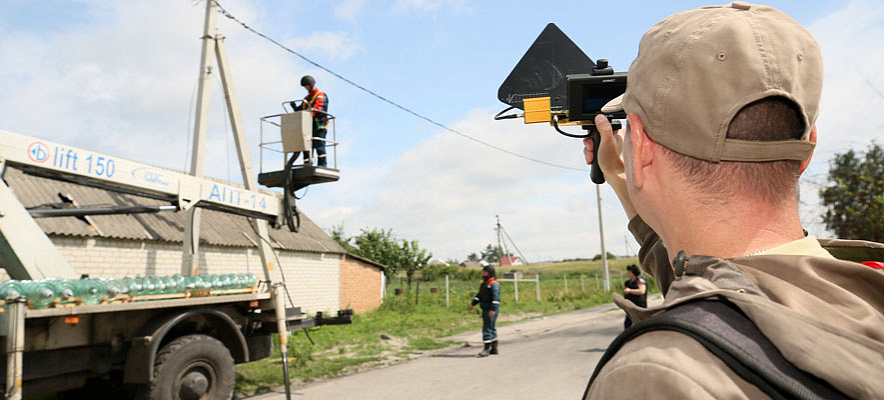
43	293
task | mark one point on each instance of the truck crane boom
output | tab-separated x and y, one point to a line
88	167
27	250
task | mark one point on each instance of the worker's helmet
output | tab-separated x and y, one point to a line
308	80
490	269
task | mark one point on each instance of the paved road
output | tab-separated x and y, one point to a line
541	358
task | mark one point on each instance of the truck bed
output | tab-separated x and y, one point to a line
143	305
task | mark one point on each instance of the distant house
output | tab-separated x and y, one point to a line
437	261
508	261
472	264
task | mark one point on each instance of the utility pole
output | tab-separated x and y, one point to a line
190	260
506	237
598	193
213	49
499	247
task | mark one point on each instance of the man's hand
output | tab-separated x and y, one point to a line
491	314
470	308
610	160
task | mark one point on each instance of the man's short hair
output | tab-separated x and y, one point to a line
771	118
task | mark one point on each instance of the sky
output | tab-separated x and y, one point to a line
119	77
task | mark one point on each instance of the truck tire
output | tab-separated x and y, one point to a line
193	367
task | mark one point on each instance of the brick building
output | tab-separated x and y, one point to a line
314	266
361	289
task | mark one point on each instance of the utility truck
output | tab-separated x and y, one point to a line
173	345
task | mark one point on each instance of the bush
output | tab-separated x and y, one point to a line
599	256
456	272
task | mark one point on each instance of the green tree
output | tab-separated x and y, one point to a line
854	200
473	257
492	254
397	255
337	233
411	258
379	246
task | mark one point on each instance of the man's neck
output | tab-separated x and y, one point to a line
729	232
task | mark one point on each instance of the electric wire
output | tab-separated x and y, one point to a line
306	189
444	127
279	263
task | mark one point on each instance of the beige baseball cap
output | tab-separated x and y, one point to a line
696	69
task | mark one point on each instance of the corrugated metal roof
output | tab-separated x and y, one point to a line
367	261
217	228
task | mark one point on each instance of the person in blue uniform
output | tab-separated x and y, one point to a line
489	300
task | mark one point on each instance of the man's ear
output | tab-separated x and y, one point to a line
642	155
812	139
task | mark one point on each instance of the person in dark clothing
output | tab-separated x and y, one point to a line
318	102
489	299
635	290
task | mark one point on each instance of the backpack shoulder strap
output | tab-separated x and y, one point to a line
726	332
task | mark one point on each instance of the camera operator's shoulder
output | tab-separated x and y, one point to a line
854	250
669	365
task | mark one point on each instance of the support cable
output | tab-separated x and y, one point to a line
281	270
505	233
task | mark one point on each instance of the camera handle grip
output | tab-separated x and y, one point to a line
595	173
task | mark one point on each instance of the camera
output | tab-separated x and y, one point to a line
556	83
588	93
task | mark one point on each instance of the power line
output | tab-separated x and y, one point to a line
227	14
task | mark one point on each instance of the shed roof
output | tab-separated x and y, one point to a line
217	228
367	261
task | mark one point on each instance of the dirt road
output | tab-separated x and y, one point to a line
550	357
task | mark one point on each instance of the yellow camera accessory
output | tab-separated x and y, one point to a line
537	109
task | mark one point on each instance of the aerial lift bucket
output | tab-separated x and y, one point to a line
296	131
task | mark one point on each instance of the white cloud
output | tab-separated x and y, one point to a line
850	112
447	190
336	45
124	86
349	10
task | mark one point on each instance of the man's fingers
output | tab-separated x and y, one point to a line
605	130
602	124
587	150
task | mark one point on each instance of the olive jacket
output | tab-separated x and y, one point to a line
826	316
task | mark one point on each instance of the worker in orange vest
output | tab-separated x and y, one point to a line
318	102
489	299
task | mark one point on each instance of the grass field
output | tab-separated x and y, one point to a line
409	324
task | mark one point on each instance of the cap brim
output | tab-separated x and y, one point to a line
614	105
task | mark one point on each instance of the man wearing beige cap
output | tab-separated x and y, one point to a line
721	104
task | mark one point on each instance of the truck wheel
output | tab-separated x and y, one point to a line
193	367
